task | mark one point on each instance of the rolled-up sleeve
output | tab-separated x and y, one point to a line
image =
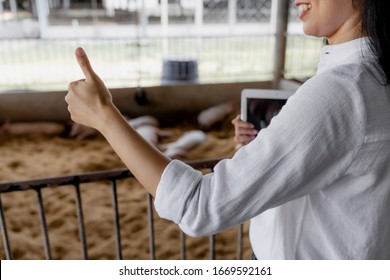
173	190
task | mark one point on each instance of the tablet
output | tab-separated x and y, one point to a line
259	106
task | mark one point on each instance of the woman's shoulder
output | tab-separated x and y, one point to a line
344	81
330	82
336	92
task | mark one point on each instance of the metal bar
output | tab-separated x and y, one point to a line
1	12
183	247
94	8
239	241
212	246
64	180
14	9
164	21
142	20
80	217
43	12
199	15
45	235
4	233
151	228
232	14
118	243
86	177
212	239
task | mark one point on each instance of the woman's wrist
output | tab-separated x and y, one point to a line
110	115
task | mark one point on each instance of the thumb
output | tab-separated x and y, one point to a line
84	63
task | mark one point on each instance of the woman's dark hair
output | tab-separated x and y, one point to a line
376	26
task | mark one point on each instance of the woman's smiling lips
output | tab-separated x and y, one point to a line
303	9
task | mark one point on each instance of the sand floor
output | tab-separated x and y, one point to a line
27	157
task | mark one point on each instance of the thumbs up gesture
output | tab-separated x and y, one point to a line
89	101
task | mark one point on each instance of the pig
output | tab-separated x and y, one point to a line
80	132
185	143
24	128
208	117
152	134
143	120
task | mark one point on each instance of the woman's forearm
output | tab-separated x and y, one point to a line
143	160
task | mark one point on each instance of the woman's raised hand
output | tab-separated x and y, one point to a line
89	101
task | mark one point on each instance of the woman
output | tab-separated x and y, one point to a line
316	182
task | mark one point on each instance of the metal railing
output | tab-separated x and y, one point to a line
76	180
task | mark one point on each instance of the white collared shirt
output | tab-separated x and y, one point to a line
315	183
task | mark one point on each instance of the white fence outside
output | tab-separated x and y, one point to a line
232	40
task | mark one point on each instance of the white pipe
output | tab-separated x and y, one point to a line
164	25
143	18
232	6
274	15
1	11
14	8
42	11
199	15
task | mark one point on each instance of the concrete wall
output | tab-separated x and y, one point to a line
169	101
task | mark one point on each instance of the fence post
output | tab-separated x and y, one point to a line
117	230
80	216
45	234
281	22
94	8
4	232
14	8
164	25
143	20
152	252
183	248
42	11
232	6
239	241
1	12
199	15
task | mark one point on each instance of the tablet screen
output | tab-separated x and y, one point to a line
259	106
261	111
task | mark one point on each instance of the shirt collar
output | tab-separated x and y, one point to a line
335	55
